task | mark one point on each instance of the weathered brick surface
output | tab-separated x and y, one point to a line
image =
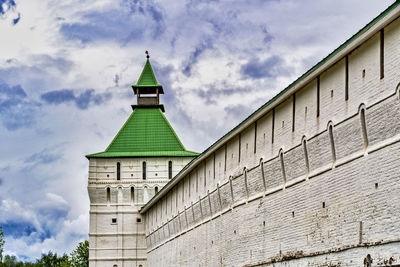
348	137
238	185
343	208
242	238
255	181
383	123
295	164
273	172
319	151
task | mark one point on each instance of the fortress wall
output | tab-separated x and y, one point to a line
328	179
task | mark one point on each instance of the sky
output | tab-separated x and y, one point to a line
66	70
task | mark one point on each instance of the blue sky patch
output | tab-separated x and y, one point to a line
6	5
82	100
16	109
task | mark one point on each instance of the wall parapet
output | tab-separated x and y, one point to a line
249	186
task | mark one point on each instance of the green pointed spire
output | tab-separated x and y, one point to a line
147	77
147	83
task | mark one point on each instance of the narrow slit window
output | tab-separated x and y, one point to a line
293	112
364	127
183	191
214	167
225	158
170	169
197	181
240	145
132	195
306	155
255	137
156	190
382	53
190	175
118	171
108	195
332	143
273	125
144	170
346	85
282	166
205	174
318	95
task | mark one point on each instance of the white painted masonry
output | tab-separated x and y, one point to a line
122	242
322	190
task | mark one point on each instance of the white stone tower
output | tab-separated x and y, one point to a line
144	155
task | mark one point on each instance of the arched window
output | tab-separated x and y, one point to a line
332	141
170	169
144	170
118	171
364	126
132	195
108	195
156	189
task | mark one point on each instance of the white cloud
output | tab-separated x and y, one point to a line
198	50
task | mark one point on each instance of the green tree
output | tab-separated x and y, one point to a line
52	260
80	256
2	242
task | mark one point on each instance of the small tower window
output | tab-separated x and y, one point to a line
170	169
156	189
108	195
118	171
132	195
144	170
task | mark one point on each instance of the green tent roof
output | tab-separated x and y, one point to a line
146	133
147	80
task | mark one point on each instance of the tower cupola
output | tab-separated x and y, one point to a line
147	89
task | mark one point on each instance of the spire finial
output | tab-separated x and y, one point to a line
147	54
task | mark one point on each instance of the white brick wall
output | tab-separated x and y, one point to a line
349	206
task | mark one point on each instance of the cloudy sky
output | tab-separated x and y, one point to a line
65	73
